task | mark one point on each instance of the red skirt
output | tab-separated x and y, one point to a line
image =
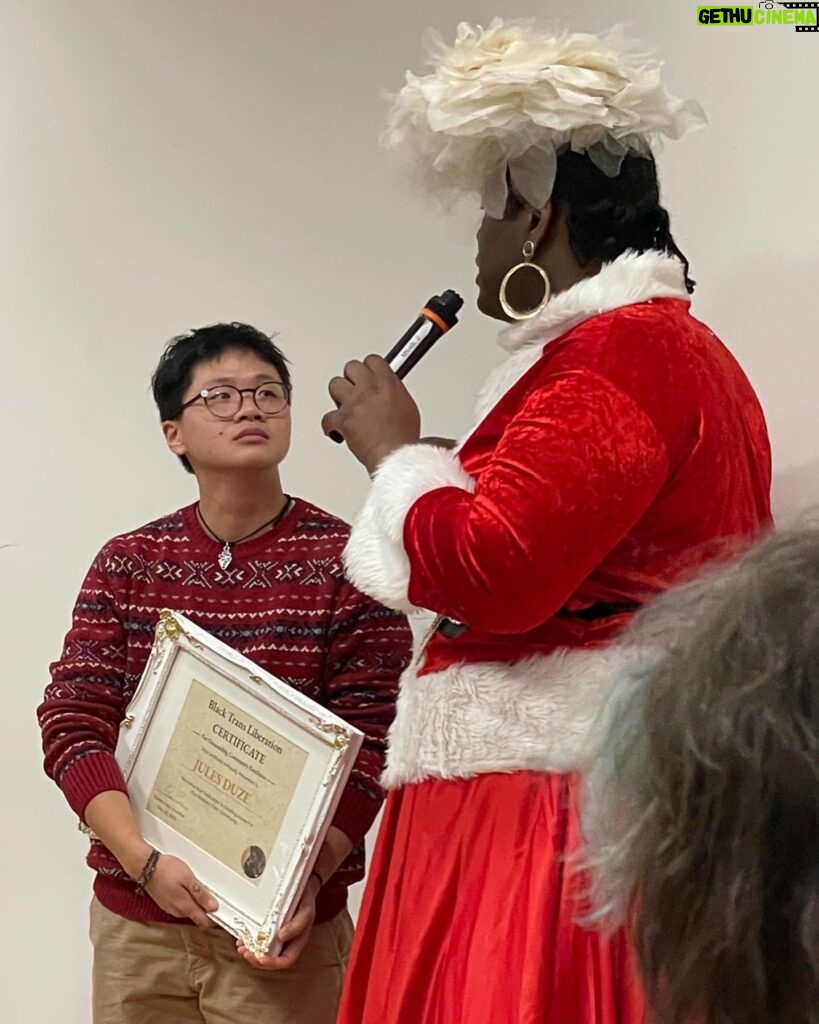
470	913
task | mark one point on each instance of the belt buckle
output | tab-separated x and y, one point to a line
450	628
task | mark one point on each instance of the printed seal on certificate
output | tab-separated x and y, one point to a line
235	772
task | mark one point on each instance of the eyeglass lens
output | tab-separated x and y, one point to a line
225	400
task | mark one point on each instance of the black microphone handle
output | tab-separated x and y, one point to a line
413	356
415	342
409	350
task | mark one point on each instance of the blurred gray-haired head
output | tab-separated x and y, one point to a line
702	803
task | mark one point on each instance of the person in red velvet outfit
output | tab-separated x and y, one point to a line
616	445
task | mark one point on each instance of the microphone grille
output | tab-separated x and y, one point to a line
451	300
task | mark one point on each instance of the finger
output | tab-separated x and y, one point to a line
340	389
293	950
378	365
298	922
355	371
245	953
203	896
264	962
198	916
331	424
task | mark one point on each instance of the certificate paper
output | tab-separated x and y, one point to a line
226	781
234	772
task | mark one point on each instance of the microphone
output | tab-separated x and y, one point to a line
435	319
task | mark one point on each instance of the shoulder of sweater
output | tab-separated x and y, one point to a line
320	519
155	530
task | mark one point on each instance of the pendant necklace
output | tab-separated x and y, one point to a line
226	554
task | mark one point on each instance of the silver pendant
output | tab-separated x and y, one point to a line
225	556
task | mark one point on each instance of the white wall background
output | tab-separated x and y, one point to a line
168	163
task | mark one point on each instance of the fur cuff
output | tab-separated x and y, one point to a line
374	559
539	714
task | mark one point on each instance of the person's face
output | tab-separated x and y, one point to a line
500	247
245	439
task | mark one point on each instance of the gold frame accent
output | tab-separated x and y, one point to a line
167	627
342	736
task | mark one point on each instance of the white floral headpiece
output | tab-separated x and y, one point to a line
512	97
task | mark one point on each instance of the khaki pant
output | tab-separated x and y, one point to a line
167	973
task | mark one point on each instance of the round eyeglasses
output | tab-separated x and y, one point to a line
224	400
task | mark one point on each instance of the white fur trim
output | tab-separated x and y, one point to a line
375	559
538	714
630	278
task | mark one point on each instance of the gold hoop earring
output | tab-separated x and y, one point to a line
506	306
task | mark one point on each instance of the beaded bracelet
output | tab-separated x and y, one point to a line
147	871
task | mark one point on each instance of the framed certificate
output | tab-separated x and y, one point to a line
233	771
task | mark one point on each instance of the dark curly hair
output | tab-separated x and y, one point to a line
609	215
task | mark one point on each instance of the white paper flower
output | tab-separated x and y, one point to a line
514	96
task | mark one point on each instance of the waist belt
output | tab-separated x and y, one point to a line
451	628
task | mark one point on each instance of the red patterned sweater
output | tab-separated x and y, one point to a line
284	603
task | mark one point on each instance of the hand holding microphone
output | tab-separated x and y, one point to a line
375	413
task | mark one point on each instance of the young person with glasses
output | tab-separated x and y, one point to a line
261	571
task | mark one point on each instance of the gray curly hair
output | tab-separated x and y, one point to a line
702	804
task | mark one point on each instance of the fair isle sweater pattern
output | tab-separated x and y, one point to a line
284	603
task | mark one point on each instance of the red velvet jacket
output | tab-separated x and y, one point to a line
618	445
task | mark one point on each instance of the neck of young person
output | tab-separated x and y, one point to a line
233	505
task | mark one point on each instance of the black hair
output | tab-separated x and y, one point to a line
183	353
609	215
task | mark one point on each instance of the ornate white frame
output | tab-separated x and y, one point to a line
250	911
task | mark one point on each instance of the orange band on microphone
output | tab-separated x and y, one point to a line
435	319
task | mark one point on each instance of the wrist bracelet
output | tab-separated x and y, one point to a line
147	871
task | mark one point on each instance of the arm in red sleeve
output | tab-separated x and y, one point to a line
574	470
369	648
84	704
